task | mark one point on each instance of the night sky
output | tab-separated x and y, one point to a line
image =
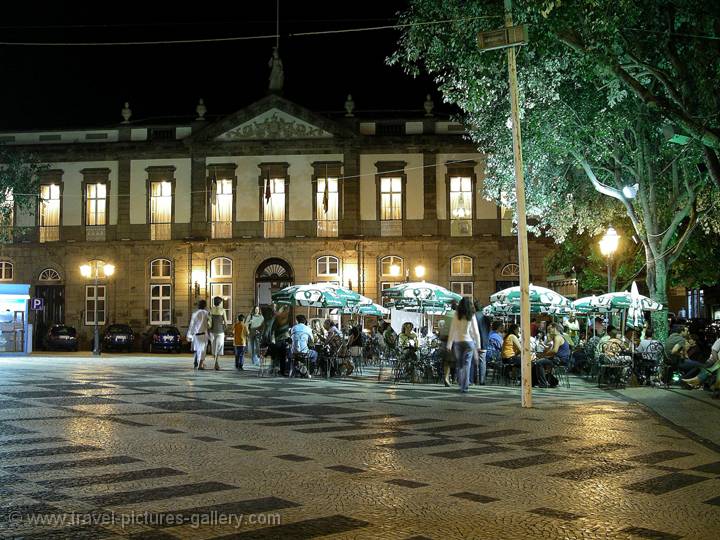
61	87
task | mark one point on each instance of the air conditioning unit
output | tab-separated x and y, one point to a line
461	227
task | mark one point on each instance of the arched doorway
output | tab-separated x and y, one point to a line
49	286
271	276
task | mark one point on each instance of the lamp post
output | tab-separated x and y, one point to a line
608	247
93	270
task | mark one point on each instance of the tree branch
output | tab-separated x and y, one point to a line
713	164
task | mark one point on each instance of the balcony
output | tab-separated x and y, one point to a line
327	229
460	227
274	229
391	227
95	233
160	231
221	229
49	234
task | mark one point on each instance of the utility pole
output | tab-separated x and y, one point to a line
508	38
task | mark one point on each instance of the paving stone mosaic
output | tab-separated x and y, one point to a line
183	453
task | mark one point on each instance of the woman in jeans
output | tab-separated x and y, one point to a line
464	340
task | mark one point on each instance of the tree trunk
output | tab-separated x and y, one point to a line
657	273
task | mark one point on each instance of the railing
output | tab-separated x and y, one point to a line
160	231
274	229
49	234
391	227
327	228
95	233
221	229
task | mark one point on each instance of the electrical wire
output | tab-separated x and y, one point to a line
275	36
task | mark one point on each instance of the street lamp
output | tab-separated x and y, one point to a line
93	270
420	271
608	247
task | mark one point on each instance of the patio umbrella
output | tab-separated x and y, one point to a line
370	309
421	293
498	308
626	300
538	295
317	295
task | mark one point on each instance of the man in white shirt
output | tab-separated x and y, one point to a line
197	334
302	339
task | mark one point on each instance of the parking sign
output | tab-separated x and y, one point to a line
37	304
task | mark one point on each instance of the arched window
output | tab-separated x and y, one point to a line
391	266
160	269
221	267
49	274
510	270
461	265
328	266
6	271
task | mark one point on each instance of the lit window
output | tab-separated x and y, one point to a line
461	199
274	208
160	303
383	286
390	199
94	303
221	267
461	266
49	212
7	215
328	266
327	207
160	210
6	271
510	270
463	288
95	204
160	269
391	266
224	291
222	203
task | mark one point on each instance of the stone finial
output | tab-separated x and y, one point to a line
349	106
126	113
201	109
429	105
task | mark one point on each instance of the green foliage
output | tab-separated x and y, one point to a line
19	174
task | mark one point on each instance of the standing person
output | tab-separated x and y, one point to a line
463	338
240	339
218	322
443	333
483	322
281	337
256	321
197	334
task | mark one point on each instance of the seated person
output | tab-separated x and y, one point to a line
389	337
495	340
559	349
335	341
693	361
537	343
511	348
646	343
354	344
610	345
676	345
407	338
709	372
302	340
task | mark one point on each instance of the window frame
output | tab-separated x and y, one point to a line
160	173
220	276
4	265
154	265
322	170
274	171
50	178
464	169
327	259
400	276
95	298
226	298
49	280
221	172
391	169
463	284
161	298
463	259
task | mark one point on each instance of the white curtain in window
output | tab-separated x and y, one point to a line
390	198
275	209
327	196
460	197
222	207
96	204
50	205
160	202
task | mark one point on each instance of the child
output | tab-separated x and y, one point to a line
240	337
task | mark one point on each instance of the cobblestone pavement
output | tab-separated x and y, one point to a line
148	448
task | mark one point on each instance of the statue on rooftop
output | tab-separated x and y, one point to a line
277	76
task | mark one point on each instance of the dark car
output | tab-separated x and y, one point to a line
118	337
61	337
162	338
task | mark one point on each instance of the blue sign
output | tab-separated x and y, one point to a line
37	304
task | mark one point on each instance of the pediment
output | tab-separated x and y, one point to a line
274	124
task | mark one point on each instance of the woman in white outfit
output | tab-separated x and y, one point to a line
464	340
197	334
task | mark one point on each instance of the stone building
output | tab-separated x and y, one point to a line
242	205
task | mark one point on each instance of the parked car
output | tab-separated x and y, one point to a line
118	337
61	337
162	338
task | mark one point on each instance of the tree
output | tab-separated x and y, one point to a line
19	174
585	136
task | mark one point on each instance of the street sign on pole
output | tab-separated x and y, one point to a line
37	304
509	37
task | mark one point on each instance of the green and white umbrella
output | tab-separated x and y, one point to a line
497	308
420	293
317	295
587	305
538	295
371	309
626	300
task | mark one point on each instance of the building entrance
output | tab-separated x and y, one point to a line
271	276
54	312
